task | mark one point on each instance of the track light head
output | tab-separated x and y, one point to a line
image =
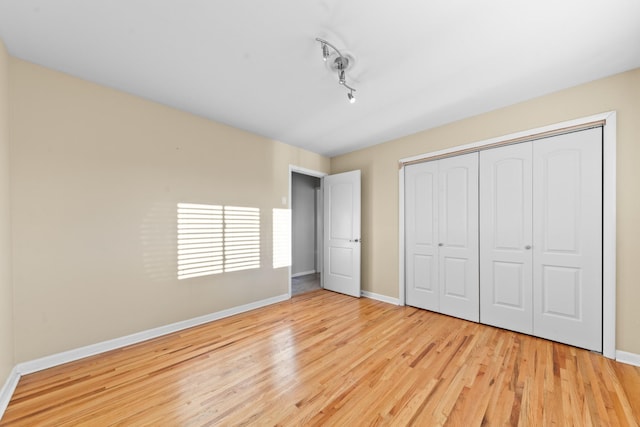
342	78
325	52
351	97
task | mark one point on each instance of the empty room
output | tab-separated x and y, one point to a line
319	213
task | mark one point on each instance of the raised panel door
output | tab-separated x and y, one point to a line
458	236
567	231
421	270
506	237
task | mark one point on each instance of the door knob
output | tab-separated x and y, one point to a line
527	247
355	240
440	244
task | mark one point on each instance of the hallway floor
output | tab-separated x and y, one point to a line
306	283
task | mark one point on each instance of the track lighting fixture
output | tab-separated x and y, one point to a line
339	63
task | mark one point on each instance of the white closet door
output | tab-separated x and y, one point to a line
421	212
567	230
458	236
506	238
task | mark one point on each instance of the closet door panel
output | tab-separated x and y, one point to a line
458	236
421	201
567	189
506	237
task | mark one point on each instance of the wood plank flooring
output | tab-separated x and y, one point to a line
327	359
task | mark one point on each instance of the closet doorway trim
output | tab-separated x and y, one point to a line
608	122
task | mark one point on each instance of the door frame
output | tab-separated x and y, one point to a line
316	174
608	211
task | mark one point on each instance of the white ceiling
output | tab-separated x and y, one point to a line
255	64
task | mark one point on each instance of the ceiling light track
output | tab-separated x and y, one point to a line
340	64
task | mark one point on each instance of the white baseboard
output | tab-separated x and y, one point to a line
7	390
628	358
303	273
379	297
91	350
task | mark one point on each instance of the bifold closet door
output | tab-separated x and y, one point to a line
441	223
567	233
506	294
541	238
458	237
421	240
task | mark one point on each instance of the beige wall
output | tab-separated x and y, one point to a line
6	293
96	176
379	166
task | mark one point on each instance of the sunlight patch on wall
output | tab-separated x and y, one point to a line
281	238
213	239
241	238
200	240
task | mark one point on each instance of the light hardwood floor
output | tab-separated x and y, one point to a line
327	359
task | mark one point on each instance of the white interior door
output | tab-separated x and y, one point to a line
458	236
421	213
341	272
506	295
567	232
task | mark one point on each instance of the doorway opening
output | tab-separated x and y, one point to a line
306	230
